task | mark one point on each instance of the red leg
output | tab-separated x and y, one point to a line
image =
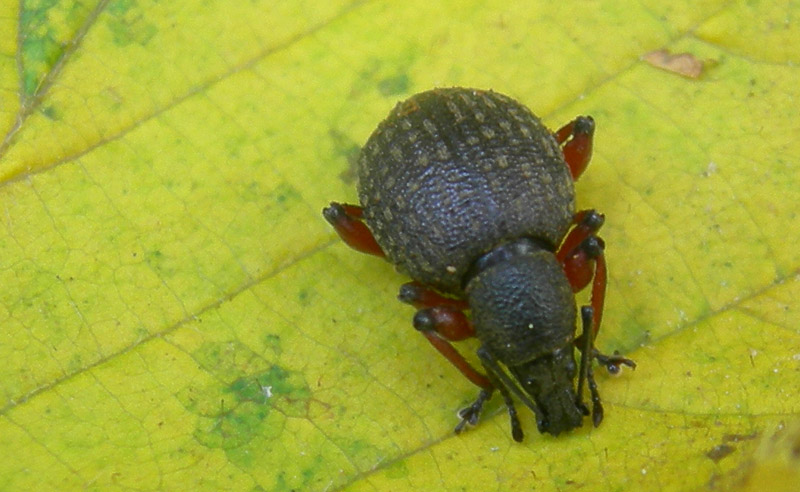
587	223
346	220
583	259
441	319
440	324
578	150
587	264
420	296
593	248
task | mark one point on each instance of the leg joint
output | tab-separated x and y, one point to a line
334	213
424	320
592	220
584	125
593	246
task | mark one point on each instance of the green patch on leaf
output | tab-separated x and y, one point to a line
127	25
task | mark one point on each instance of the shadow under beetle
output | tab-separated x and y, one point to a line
468	193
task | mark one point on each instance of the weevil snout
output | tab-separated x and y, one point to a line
549	381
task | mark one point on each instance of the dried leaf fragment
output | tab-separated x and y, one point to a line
685	64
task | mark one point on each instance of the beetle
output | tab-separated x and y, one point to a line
468	193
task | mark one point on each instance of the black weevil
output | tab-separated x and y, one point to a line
468	193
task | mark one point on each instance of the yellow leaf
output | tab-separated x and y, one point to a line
177	315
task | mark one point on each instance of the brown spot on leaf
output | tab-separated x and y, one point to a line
739	437
685	64
719	451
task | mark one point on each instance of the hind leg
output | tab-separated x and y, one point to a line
576	138
347	221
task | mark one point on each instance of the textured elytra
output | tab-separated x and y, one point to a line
451	174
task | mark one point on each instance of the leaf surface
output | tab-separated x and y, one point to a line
176	314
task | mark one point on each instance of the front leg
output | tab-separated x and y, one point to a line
582	257
441	324
441	320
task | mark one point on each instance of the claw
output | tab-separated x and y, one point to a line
614	362
469	415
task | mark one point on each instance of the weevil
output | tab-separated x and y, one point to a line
469	194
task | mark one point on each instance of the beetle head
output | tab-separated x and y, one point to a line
548	380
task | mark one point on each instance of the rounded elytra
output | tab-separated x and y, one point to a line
452	173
